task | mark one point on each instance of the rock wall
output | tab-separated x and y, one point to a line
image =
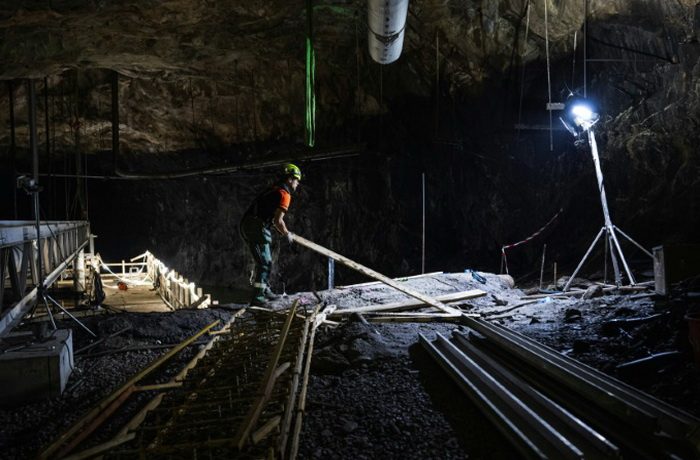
192	96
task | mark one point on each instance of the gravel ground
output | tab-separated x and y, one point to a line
25	429
371	398
373	391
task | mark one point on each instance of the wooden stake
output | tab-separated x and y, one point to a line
544	251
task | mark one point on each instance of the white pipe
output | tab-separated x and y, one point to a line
79	273
386	21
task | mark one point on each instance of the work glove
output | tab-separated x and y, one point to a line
290	237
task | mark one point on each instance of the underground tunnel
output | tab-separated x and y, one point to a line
350	229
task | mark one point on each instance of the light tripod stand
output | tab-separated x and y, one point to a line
583	119
31	186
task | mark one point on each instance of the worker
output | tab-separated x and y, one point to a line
267	211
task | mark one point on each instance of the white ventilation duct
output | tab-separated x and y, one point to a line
386	21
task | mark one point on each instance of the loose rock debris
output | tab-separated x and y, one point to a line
372	392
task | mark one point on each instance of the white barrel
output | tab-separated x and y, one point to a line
385	52
386	21
387	17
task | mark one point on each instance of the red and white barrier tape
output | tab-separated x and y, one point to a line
504	259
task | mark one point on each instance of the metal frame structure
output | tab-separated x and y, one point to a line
608	228
29	261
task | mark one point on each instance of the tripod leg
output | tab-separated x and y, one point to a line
613	257
48	311
622	256
580	264
632	241
71	316
605	261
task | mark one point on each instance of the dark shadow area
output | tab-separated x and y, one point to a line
475	433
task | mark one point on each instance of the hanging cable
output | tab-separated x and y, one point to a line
310	78
381	86
549	76
48	145
522	58
13	166
437	83
573	64
585	45
87	194
357	74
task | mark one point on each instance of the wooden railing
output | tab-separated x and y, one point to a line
175	290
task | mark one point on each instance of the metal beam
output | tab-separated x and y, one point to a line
14	316
58	244
13	144
16	232
115	119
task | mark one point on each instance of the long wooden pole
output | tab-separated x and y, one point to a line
373	274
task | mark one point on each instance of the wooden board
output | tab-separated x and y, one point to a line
411	304
401	278
373	274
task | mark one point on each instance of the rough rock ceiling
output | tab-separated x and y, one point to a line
213	39
218	73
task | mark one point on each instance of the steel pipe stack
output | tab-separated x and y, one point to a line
551	406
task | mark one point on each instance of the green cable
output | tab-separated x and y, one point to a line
310	80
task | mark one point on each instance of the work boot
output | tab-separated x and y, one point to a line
256	302
269	295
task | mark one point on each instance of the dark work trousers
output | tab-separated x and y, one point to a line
258	238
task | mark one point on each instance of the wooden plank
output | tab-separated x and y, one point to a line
411	304
415	319
98	449
199	302
186	292
372	274
266	429
321	317
160	386
401	278
414	315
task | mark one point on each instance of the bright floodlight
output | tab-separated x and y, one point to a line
582	112
579	116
